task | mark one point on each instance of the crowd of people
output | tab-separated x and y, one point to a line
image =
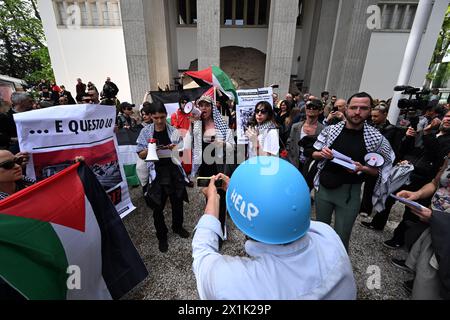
310	133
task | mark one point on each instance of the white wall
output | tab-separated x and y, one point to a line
91	54
385	56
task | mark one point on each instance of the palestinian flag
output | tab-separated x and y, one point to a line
214	76
126	140
62	238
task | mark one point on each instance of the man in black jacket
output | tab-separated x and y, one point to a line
21	102
67	94
110	90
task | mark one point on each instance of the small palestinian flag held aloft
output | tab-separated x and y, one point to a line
62	238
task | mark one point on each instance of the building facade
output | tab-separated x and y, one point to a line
341	46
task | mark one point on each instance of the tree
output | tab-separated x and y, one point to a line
442	48
23	53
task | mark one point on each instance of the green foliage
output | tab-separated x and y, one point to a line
23	53
442	75
440	51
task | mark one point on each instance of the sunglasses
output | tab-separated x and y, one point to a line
310	107
87	100
9	164
262	111
129	108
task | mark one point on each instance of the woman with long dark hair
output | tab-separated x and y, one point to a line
284	121
262	133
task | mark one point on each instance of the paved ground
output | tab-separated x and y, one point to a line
171	277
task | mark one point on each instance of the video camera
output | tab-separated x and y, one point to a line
417	101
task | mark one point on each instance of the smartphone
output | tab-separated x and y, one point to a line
203	182
335	109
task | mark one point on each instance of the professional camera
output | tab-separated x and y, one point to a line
414	105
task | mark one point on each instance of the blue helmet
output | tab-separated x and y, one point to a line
268	200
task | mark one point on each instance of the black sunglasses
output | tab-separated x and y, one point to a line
129	108
9	164
312	107
262	111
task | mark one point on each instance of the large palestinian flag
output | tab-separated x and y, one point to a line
216	77
62	238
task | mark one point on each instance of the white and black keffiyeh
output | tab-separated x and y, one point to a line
265	126
26	181
374	142
223	133
142	144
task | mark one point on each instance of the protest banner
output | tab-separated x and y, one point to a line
244	111
55	136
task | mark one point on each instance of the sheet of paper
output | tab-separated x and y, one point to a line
407	202
341	156
345	164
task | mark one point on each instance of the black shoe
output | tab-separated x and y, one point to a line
182	232
392	244
163	246
369	225
401	264
408	285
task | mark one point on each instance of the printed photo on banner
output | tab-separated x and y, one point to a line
244	111
55	136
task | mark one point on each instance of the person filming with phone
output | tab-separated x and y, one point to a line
289	256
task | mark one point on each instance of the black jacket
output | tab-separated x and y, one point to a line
7	129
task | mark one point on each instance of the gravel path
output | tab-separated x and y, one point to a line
171	277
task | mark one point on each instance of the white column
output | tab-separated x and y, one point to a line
280	43
412	48
208	33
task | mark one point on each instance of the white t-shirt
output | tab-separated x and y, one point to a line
268	141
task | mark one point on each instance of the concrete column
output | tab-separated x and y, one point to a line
351	46
280	43
308	19
323	46
208	33
133	25
159	43
171	8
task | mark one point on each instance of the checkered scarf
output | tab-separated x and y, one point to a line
142	143
374	142
265	126
223	133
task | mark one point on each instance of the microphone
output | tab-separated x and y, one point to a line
402	88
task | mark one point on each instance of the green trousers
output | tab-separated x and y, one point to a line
345	202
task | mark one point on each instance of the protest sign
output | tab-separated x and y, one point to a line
244	111
55	136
